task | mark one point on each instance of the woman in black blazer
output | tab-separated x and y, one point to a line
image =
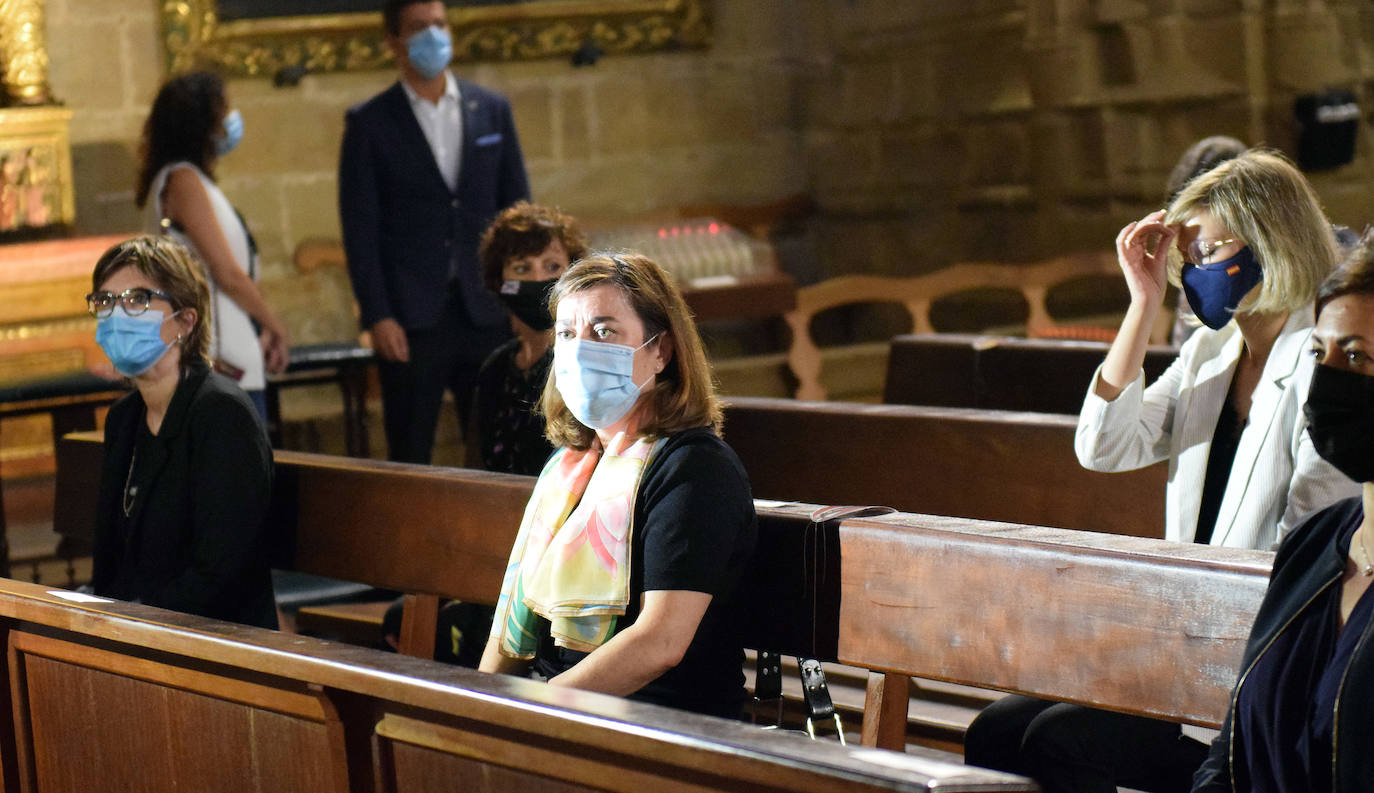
187	478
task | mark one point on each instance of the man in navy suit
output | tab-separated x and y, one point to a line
426	165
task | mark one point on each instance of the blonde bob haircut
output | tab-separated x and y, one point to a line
173	269
683	396
1264	200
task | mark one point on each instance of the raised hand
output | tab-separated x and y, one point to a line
1142	250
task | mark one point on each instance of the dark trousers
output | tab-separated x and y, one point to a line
444	357
1076	749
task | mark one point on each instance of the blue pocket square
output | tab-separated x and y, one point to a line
488	140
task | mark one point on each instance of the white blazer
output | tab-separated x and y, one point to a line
1277	478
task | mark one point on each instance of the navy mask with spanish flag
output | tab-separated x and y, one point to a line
1215	289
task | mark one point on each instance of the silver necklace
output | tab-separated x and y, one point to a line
1364	551
130	489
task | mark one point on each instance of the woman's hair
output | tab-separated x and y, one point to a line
173	269
683	396
1262	198
1200	158
1355	276
182	125
526	229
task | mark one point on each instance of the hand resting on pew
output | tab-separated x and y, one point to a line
636	421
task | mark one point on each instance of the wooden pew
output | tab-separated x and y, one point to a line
119	696
991	465
999	372
1138	625
918	294
441	534
1135	625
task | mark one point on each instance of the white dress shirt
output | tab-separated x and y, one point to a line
442	124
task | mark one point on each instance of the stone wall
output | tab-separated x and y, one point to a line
956	130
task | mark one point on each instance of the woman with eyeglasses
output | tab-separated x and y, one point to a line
1300	714
187	476
188	129
1248	244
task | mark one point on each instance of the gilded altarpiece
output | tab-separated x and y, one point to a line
258	37
35	153
44	330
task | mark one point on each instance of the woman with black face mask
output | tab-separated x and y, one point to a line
1248	244
523	253
1300	715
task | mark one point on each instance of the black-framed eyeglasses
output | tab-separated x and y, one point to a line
135	301
1201	251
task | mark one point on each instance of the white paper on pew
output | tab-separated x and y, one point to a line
78	597
766	504
714	281
905	762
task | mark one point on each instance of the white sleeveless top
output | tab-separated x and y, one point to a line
232	337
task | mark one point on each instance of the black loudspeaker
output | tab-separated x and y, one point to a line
1327	124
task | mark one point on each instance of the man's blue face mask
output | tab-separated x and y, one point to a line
430	51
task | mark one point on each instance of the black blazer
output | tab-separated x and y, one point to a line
196	539
1308	561
401	223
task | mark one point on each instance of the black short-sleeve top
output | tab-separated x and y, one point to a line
511	432
695	530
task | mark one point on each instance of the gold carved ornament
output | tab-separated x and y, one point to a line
196	38
24	47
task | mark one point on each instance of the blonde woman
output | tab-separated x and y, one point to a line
1248	244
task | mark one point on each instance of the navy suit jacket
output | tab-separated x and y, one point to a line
402	226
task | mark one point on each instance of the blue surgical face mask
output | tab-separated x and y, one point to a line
430	51
1214	292
596	379
134	344
233	133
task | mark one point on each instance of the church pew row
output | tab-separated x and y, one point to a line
960	370
121	696
985	464
1133	624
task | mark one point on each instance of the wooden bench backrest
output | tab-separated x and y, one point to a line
1138	625
990	465
119	696
446	533
918	293
999	372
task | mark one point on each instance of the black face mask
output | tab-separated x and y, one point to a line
529	301
1340	419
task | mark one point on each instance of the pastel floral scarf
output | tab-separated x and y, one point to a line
571	560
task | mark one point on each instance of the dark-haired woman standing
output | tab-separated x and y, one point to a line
189	128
